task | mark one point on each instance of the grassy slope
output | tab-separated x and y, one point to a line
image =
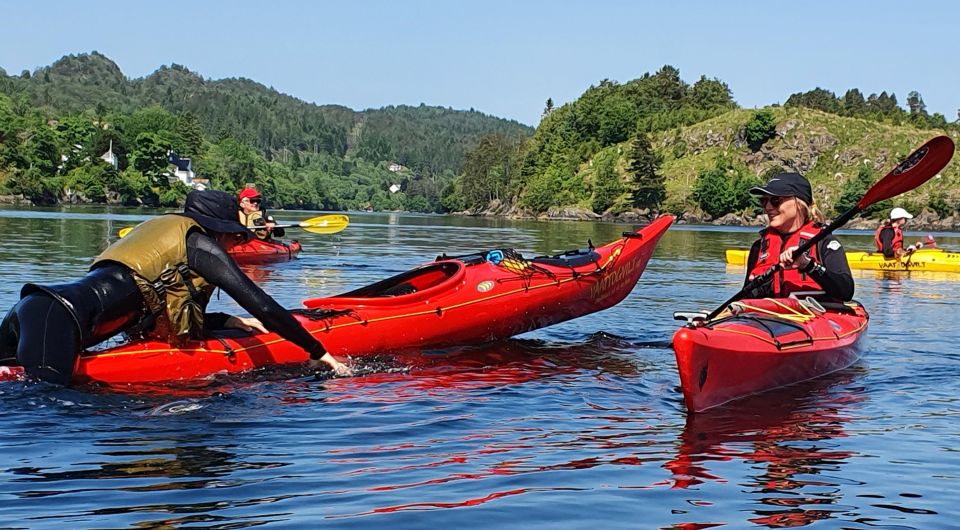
825	147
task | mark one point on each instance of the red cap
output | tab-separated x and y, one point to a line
248	193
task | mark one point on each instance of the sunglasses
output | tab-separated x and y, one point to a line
253	201
773	200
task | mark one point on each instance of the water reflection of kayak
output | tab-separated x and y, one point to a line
812	411
784	439
464	300
260	251
925	259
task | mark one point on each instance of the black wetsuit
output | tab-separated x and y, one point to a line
50	325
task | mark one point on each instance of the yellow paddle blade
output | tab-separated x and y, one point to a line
325	224
124	231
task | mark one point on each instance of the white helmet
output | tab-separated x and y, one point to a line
899	213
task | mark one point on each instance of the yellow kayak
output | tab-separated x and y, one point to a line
925	259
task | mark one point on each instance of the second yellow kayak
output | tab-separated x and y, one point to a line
925	259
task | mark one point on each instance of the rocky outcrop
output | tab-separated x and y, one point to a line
14	199
570	213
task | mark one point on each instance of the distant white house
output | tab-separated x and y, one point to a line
184	171
395	167
394	188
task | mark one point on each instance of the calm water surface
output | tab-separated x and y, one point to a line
578	425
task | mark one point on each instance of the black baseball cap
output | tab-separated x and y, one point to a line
786	185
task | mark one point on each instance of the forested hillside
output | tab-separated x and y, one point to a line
658	144
235	130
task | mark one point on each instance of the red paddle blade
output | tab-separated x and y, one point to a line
922	165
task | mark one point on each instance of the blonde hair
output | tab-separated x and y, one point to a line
810	212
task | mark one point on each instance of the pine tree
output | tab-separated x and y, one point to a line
549	107
649	185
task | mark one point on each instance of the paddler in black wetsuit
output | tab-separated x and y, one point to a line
155	282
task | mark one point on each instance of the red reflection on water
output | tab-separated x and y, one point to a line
766	430
792	519
256	272
457	374
468	502
460	371
459	504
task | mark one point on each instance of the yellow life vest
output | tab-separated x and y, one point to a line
156	252
250	221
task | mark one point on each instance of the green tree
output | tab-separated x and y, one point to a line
542	191
190	131
607	187
818	98
89	180
761	127
724	189
174	194
649	185
617	120
149	156
853	103
230	164
711	94
915	103
487	171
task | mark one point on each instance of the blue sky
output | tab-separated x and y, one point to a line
506	58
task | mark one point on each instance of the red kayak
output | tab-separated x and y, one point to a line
759	345
452	301
259	251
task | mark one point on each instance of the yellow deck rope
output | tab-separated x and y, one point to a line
790	313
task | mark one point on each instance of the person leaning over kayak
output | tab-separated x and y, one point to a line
793	218
889	235
252	216
154	282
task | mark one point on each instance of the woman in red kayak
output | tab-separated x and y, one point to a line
252	216
154	282
787	199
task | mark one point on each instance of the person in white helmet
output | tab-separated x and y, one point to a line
889	235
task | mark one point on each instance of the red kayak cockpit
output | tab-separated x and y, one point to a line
410	287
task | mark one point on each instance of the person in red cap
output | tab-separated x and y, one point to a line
793	218
252	216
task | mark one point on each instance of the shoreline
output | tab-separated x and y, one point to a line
925	221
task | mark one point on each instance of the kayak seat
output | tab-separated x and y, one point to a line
571	258
400	290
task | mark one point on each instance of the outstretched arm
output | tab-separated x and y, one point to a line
208	259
